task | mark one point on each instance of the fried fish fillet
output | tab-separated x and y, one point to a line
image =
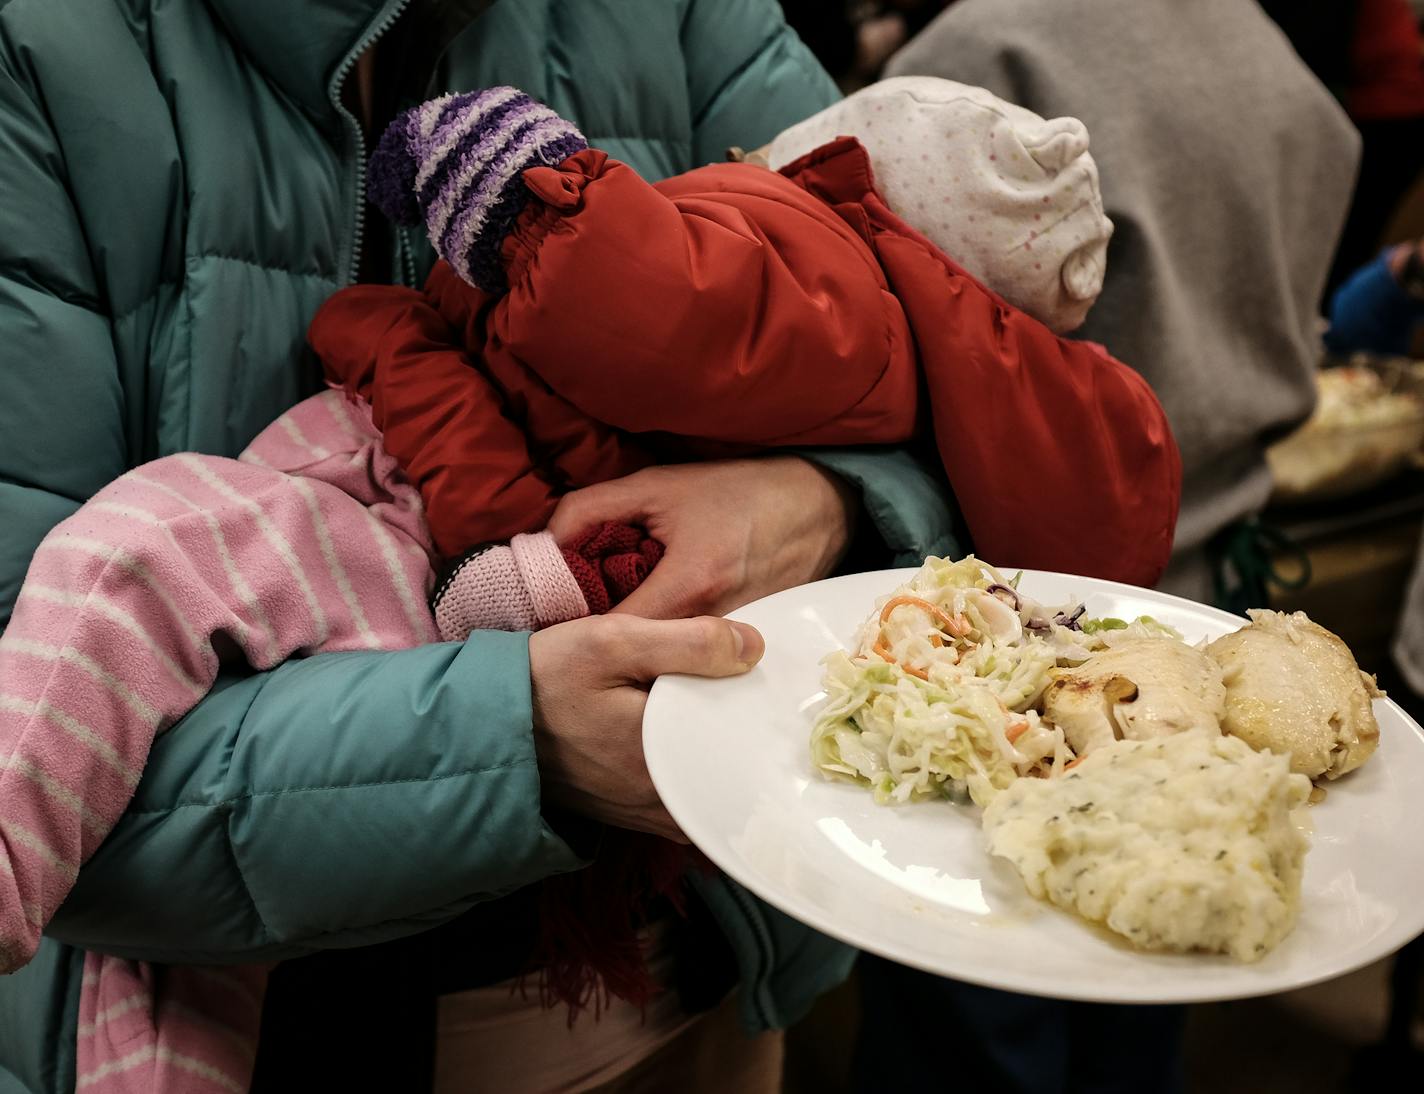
1292	686
1138	690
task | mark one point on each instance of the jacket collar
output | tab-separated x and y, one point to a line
299	44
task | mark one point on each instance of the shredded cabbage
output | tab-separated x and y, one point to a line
936	698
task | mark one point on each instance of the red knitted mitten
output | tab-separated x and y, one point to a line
610	561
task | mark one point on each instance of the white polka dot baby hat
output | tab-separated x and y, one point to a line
1010	196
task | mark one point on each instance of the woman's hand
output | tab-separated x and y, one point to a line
734	530
589	679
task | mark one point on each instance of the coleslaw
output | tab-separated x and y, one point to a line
937	696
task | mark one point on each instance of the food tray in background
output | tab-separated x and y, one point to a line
1367	426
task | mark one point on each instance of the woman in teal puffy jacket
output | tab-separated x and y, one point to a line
182	188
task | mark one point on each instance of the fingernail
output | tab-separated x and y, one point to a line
749	644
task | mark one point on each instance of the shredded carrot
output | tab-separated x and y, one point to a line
1073	763
956	625
884	652
1016	731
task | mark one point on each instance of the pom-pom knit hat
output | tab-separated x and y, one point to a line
455	163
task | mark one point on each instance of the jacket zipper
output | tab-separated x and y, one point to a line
383	23
407	257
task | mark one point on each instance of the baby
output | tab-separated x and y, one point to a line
737	308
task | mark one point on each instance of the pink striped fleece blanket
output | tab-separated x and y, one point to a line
311	541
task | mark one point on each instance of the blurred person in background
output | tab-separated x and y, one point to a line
1227	169
1221	248
1380	307
1369	53
854	38
182	187
829	29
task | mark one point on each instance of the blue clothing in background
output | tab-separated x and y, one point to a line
1371	313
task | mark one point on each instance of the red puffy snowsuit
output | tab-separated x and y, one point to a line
732	309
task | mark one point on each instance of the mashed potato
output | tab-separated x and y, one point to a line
1180	843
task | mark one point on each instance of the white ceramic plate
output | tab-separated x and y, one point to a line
914	884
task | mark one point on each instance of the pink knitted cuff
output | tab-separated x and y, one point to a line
548	580
523	586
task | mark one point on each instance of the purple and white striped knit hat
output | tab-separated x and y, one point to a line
455	163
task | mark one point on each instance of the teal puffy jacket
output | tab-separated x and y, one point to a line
179	189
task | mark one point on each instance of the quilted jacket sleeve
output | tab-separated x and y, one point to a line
487	446
335	799
288	813
741	310
61	415
438	414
